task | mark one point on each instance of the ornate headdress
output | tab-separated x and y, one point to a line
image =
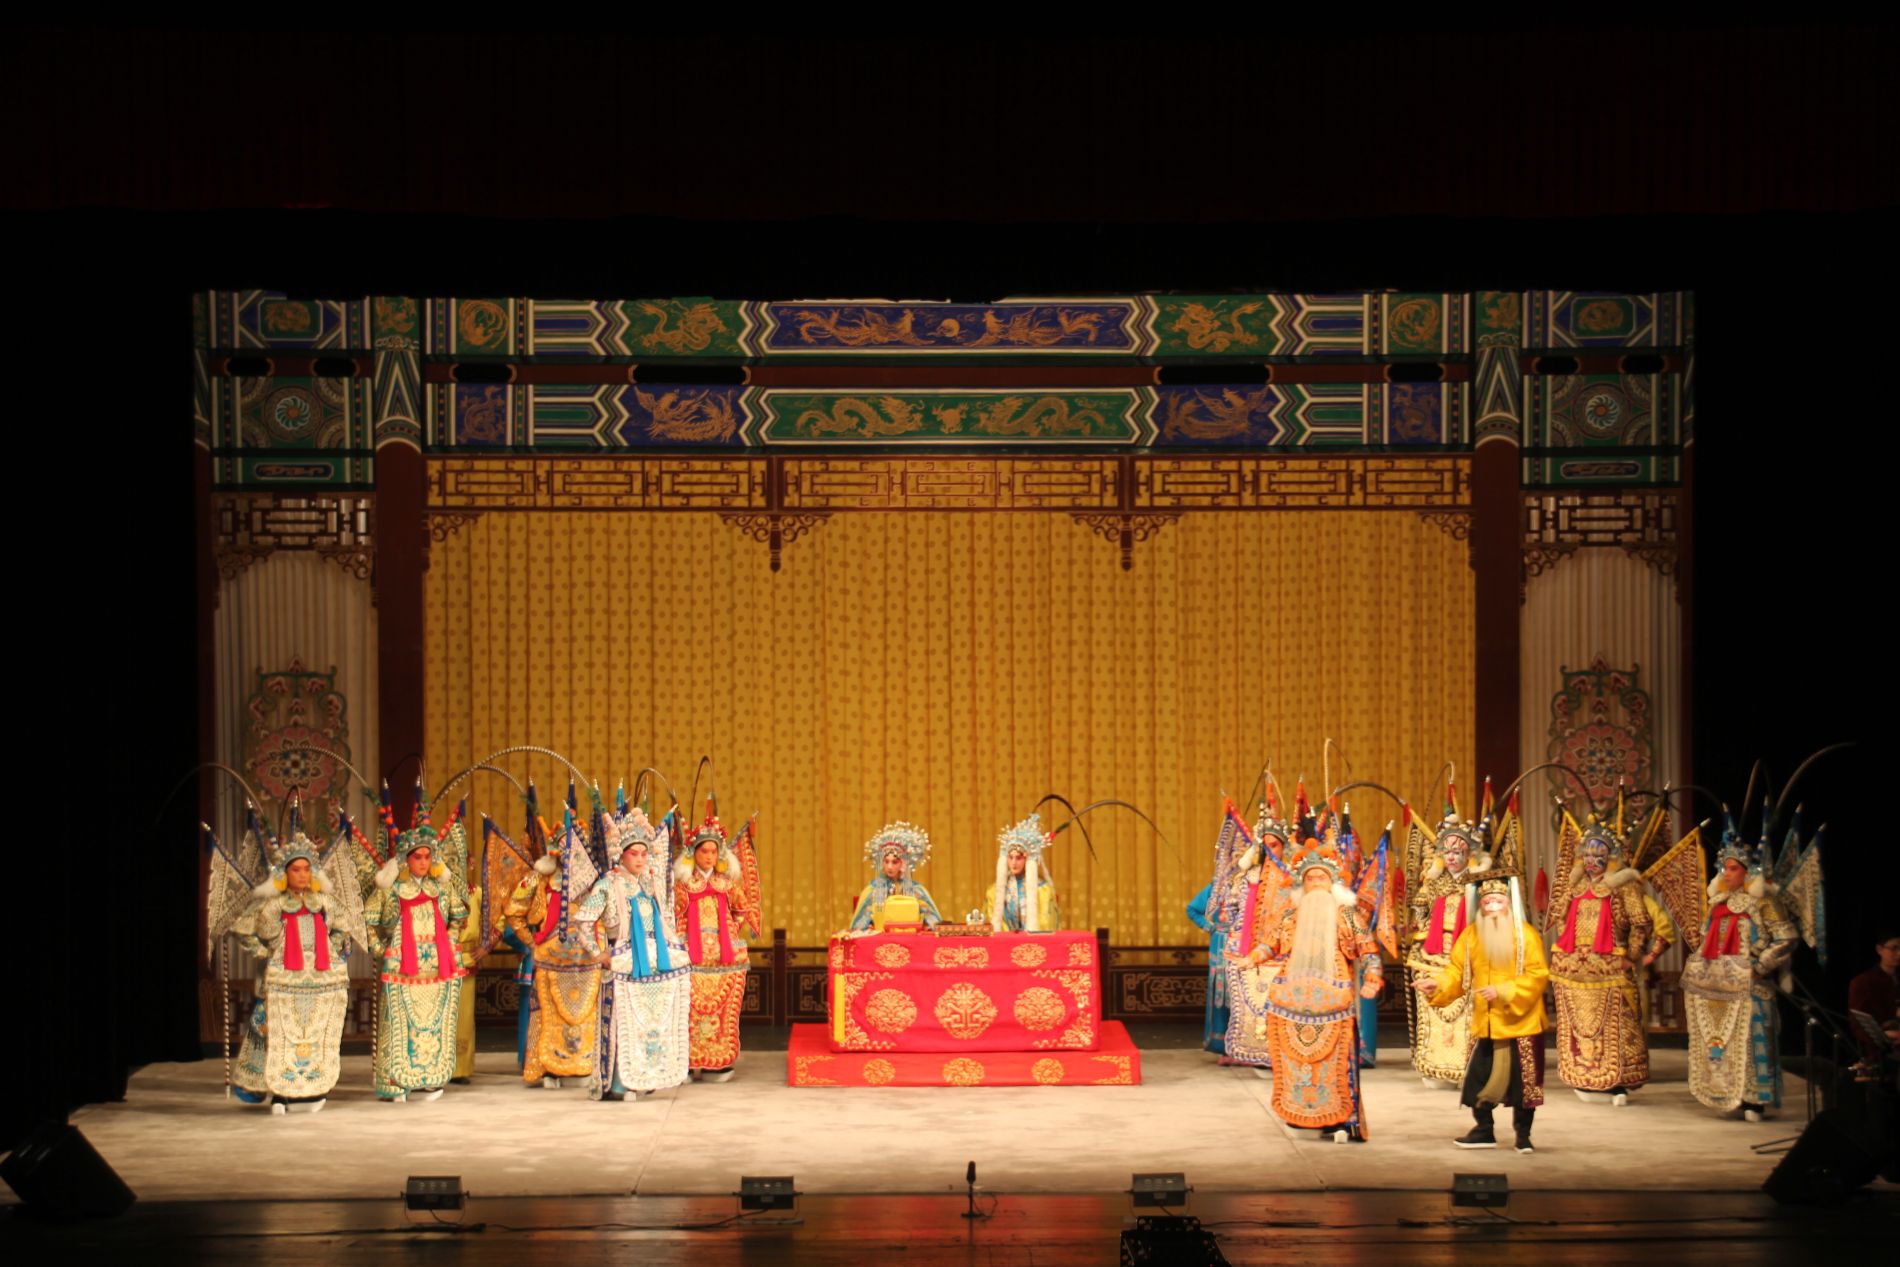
901	838
420	835
1453	827
1316	854
295	845
1269	823
709	829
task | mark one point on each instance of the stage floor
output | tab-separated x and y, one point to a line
175	1137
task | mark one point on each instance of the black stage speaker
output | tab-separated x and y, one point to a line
59	1176
1833	1158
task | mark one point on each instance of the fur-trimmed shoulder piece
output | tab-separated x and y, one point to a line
1434	869
1480	863
386	874
546	864
267	888
1344	896
1627	875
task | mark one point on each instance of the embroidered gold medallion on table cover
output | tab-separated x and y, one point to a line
874	669
1011	992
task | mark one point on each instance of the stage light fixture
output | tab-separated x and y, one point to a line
1159	1190
434	1193
1491	1192
767	1192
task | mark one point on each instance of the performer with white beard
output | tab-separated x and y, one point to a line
1312	1018
1499	962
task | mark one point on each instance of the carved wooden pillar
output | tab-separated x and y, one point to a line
1497	531
400	544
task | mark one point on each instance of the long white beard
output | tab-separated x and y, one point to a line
1499	940
1315	936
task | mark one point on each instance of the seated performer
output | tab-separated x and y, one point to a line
1312	1019
1019	873
897	850
1499	962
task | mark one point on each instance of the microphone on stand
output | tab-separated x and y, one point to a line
969	1179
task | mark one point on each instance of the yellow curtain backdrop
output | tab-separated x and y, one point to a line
949	669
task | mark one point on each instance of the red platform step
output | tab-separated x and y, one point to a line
810	1062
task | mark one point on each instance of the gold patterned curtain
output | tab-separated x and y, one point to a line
951	668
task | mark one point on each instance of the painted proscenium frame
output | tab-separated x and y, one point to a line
1508	419
1595	388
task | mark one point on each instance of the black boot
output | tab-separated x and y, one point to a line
1521	1120
1480	1135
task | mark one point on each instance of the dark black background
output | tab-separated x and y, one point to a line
1753	166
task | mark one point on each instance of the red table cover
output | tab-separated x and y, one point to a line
917	992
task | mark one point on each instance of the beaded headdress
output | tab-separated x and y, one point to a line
902	838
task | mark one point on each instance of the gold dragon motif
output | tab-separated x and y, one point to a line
1047	415
1210	330
687	417
695	329
890	416
1228	414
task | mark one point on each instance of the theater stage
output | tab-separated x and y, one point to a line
175	1138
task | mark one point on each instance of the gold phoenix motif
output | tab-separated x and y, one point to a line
965	1011
890	1011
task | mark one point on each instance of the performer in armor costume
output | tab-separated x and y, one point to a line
1601	934
415	907
1312	1018
1022	870
563	1025
716	900
646	1020
1759	908
1498	963
300	932
897	851
1251	891
1435	897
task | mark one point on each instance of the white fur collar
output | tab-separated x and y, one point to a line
386	874
1344	896
546	864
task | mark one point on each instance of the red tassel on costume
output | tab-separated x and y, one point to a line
1606	929
1721	942
323	941
552	920
1543	881
293	943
